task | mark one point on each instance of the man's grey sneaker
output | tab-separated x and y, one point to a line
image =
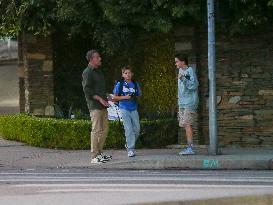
187	151
98	160
105	157
131	153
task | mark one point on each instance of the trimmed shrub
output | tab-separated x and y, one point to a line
75	134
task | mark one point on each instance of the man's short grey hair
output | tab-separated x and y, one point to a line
90	54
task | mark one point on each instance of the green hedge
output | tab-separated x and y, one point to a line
75	134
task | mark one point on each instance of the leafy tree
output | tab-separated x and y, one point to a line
113	22
103	20
241	16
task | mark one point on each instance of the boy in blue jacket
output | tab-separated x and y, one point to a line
126	91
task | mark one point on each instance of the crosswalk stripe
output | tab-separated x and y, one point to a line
136	179
143	185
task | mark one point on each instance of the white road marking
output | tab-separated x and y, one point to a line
177	186
140	178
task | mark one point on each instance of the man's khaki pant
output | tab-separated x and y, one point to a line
99	120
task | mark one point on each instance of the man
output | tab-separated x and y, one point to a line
94	89
187	100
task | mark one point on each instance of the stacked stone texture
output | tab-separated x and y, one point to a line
245	88
38	73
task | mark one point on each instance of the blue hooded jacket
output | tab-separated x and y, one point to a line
188	89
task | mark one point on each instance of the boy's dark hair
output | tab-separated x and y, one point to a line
126	68
90	54
182	57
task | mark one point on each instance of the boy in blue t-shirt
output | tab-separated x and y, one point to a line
126	91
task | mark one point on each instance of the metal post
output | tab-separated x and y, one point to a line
9	48
213	147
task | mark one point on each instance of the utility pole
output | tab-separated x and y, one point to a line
213	147
9	47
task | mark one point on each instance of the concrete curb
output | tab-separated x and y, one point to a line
270	165
208	163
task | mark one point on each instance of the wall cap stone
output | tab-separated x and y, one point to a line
48	65
265	92
183	46
38	111
234	99
49	110
246	117
36	56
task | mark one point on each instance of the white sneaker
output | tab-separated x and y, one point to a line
105	157
98	160
131	153
187	151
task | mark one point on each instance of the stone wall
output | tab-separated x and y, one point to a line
244	75
38	74
244	89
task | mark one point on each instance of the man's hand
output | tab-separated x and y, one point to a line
104	102
101	100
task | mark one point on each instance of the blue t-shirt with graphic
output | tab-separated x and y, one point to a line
127	88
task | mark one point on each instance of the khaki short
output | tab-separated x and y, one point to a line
186	117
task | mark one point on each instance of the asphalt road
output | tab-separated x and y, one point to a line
87	186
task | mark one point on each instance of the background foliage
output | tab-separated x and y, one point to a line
151	57
159	76
117	19
126	32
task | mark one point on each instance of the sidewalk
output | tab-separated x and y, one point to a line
16	155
